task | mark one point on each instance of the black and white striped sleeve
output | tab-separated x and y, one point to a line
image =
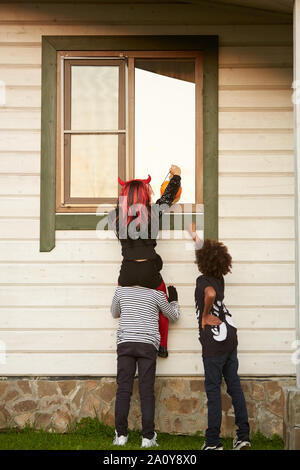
170	310
115	306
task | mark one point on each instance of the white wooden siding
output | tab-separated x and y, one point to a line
54	307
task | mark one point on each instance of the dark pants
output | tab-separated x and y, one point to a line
129	355
215	368
141	273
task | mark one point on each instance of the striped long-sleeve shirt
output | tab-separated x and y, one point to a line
138	309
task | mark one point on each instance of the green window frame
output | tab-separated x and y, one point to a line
50	221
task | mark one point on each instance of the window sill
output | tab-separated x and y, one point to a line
169	221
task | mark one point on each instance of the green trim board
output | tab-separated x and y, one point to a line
48	147
169	221
49	220
210	143
132	43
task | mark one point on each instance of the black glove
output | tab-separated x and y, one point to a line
172	293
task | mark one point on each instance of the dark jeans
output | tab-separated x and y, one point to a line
215	368
129	355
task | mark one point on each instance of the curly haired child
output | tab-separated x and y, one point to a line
218	337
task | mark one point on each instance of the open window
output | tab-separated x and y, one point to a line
126	106
127	114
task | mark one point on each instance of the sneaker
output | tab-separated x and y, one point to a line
149	442
120	440
212	447
241	444
163	352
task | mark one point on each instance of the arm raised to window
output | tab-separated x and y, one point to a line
171	190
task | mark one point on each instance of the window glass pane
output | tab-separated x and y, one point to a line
94	97
94	166
165	121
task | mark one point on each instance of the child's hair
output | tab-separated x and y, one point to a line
134	202
213	259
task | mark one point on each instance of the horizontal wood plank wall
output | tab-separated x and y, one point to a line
54	307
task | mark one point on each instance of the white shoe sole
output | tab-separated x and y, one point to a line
243	446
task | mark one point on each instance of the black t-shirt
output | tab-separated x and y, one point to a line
215	340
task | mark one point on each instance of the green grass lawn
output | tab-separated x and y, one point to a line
91	434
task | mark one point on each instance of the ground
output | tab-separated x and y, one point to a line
91	434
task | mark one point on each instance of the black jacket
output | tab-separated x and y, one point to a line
143	247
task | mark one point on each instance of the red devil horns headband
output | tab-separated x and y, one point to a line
122	183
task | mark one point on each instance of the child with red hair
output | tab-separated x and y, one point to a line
136	223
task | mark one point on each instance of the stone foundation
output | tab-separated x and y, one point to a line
53	404
291	428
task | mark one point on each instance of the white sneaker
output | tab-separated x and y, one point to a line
120	440
241	444
149	442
